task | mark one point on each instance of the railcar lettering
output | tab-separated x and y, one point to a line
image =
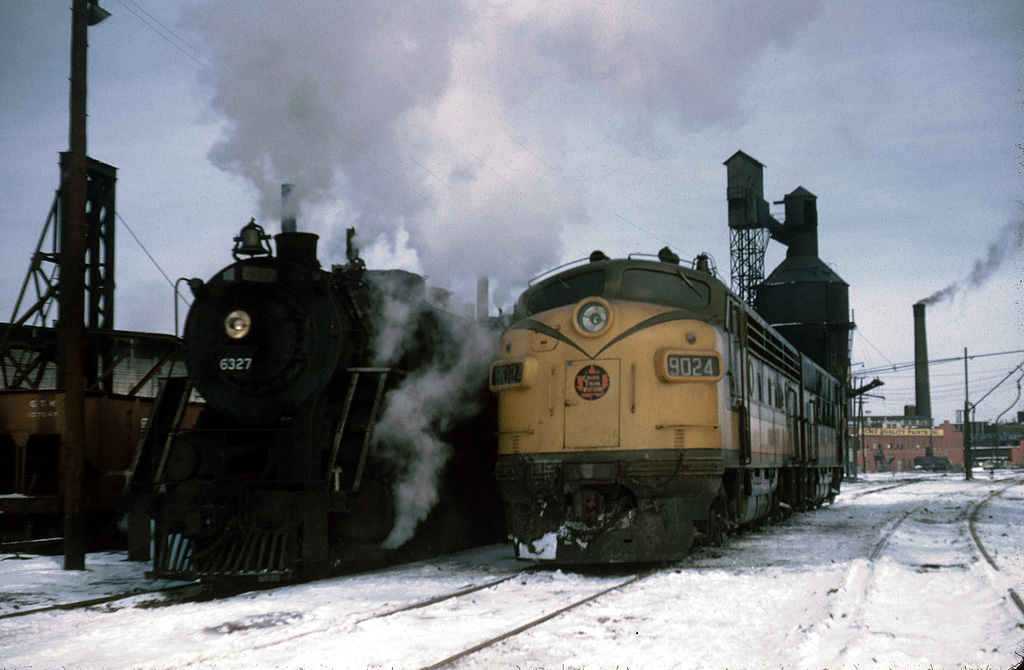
236	363
507	374
692	366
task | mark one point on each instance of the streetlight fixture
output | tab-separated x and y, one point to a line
96	13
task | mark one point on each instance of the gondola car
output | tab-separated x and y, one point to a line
290	472
643	407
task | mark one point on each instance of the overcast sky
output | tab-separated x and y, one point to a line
506	137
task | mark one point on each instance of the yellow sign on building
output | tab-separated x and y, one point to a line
896	432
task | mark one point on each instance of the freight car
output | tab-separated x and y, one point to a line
643	406
295	469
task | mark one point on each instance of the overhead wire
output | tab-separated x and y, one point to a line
937	361
178	42
150	256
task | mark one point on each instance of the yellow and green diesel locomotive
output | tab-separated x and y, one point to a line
643	406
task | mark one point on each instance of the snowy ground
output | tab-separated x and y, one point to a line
819	591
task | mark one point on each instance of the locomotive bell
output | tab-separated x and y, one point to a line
250	241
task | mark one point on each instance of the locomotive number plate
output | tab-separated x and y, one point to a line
236	363
677	365
506	374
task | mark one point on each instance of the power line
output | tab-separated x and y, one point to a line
135	237
143	247
166	33
896	367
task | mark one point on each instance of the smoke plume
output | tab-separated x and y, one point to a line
1006	245
420	414
450	120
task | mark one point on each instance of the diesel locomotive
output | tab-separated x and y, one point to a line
290	471
643	406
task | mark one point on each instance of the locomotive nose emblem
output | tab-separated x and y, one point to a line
592	382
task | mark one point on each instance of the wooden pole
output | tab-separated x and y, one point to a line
968	456
72	301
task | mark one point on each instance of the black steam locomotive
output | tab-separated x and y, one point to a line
331	438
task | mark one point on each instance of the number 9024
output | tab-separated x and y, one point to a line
692	366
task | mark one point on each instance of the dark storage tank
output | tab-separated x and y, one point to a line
803	298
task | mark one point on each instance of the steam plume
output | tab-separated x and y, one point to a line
1006	245
422	411
450	119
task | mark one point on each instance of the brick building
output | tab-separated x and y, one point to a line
891	443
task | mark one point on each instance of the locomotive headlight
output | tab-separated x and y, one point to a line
237	324
592	317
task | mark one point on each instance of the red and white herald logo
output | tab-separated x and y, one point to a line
592	382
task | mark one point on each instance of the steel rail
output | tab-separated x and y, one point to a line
404	608
975	509
536	622
92	602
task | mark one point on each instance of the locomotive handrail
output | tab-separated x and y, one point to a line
560	267
662	426
336	444
368	439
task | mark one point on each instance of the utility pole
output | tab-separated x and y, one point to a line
72	291
857	394
72	302
968	457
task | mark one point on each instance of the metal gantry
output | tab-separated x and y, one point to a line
746	250
34	363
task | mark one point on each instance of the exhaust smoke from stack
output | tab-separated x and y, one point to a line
288	213
451	120
1007	245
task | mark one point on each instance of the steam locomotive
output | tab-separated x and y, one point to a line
643	406
297	465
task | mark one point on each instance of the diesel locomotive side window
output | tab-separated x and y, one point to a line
663	287
566	292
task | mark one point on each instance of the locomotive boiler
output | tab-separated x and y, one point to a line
643	407
297	466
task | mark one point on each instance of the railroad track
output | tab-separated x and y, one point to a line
192	591
972	518
446	662
408	607
989	558
854	495
934	555
485	607
879	548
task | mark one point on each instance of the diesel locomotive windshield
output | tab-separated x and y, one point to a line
566	292
641	284
662	287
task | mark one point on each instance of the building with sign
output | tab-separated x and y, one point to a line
901	443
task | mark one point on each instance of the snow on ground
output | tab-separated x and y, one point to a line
803	594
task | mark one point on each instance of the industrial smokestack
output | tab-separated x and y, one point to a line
287	210
483	298
924	394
